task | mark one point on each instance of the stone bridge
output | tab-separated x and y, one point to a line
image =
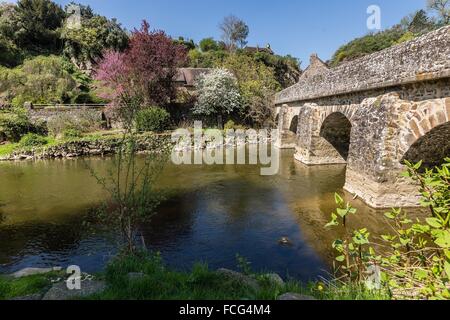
372	114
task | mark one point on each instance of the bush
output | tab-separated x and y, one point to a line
33	140
72	134
152	119
411	262
16	124
231	125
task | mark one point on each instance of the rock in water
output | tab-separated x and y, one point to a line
60	291
285	241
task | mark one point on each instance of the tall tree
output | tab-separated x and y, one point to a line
37	25
234	32
442	7
96	34
144	72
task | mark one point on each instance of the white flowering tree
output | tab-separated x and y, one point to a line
218	94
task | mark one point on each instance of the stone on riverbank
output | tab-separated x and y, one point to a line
60	291
295	297
33	271
239	277
275	279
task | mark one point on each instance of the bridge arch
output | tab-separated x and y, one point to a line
426	136
336	130
432	148
293	127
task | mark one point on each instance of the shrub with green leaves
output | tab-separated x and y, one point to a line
71	134
33	140
15	123
414	259
152	119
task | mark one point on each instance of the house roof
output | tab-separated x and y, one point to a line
188	76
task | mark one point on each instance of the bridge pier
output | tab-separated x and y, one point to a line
287	127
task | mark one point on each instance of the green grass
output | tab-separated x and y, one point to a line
12	288
162	283
201	283
7	149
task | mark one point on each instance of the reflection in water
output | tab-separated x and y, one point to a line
212	214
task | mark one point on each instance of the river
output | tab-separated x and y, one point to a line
212	213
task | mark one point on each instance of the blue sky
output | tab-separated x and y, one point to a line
296	27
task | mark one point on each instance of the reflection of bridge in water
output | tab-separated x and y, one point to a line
372	114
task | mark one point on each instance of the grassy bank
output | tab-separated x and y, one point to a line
152	280
9	148
11	288
201	283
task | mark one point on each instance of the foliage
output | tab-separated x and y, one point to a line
409	28
442	7
71	134
36	26
152	119
10	54
234	32
16	123
414	260
132	188
366	45
286	69
187	44
144	71
209	59
32	140
231	125
208	44
42	79
86	44
13	288
257	85
218	94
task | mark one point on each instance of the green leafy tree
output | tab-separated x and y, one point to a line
257	85
188	44
39	80
208	44
85	45
37	26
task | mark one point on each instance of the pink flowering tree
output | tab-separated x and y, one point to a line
142	75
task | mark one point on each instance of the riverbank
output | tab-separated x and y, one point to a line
107	143
147	278
100	144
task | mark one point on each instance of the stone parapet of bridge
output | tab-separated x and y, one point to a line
372	114
425	58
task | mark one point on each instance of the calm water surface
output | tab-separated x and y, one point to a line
212	214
